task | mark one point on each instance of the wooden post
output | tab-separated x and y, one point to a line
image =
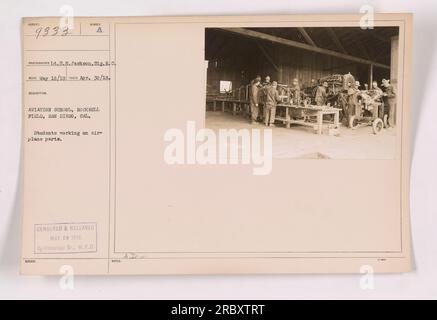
319	122
337	119
370	76
394	68
280	77
287	117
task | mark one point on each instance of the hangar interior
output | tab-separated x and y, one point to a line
235	56
238	55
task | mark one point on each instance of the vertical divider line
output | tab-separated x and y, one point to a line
115	136
110	147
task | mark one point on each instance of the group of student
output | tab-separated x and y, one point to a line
266	93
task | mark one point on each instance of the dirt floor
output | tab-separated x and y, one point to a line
302	142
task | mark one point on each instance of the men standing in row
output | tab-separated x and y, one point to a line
254	98
258	98
266	95
271	100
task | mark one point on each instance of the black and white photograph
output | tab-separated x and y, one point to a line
225	157
326	92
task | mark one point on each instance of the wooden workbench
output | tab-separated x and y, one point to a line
306	112
291	112
234	104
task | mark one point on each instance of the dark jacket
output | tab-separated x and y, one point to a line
272	97
321	96
390	93
295	94
375	93
254	93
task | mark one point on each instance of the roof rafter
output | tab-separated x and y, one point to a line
304	46
307	37
336	40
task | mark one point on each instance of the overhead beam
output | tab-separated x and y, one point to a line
336	40
307	37
304	46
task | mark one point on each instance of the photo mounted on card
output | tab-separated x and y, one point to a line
216	145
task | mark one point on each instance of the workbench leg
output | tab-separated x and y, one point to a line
337	119
234	108
319	122
287	118
214	105
223	106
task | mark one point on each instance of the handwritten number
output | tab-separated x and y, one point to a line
38	32
51	31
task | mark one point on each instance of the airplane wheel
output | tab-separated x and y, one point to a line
377	126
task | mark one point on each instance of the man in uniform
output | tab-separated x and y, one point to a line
376	94
390	97
322	94
295	92
272	99
266	81
352	92
357	85
377	91
262	94
254	97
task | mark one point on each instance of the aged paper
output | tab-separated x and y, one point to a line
129	167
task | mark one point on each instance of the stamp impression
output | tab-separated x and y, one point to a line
58	238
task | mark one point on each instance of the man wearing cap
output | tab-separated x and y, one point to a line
376	93
267	81
263	94
390	96
357	84
321	94
295	92
272	99
254	95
